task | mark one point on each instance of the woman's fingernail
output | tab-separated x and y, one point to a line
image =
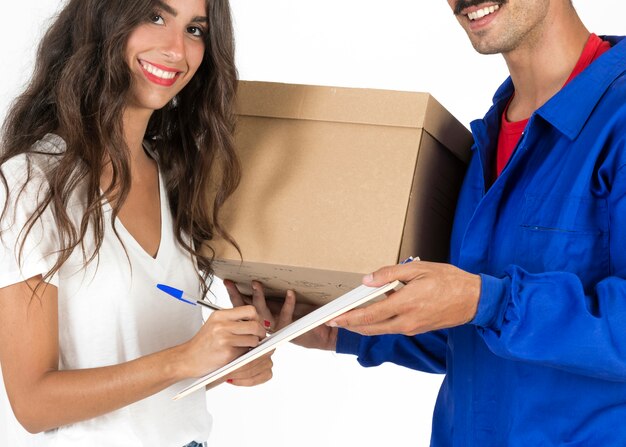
368	278
266	323
332	324
229	381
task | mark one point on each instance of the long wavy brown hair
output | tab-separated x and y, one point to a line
79	89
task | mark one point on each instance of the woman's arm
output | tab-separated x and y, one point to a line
43	398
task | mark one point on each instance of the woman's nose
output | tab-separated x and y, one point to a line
173	46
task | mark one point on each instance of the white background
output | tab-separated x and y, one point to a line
319	398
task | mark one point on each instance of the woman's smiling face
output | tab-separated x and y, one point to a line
165	51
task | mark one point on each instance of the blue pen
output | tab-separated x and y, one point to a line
182	296
410	259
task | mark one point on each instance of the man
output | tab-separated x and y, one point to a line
528	321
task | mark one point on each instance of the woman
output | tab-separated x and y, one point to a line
107	160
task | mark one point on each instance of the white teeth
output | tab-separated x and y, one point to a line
157	71
479	14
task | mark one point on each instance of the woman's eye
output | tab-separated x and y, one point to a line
195	31
156	18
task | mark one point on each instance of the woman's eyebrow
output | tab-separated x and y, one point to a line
167	8
171	11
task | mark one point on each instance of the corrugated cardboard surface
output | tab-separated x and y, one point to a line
337	182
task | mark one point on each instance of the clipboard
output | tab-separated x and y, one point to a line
334	308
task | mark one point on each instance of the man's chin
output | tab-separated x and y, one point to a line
486	50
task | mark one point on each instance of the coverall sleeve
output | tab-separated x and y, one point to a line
424	352
549	319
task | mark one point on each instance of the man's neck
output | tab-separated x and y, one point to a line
541	66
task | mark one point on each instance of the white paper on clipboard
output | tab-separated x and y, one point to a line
336	307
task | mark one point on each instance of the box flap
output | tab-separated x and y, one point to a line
356	106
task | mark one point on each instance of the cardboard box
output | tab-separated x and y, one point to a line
336	183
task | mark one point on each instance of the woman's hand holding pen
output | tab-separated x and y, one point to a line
322	337
225	335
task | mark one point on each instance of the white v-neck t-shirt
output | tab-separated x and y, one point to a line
110	312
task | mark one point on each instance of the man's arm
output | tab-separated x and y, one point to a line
436	296
545	318
426	352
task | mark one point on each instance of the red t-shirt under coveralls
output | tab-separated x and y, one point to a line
511	132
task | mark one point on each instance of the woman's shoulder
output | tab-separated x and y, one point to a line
32	169
38	160
50	144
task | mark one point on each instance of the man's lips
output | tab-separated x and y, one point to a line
463	7
480	12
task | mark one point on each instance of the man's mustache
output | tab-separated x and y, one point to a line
462	4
